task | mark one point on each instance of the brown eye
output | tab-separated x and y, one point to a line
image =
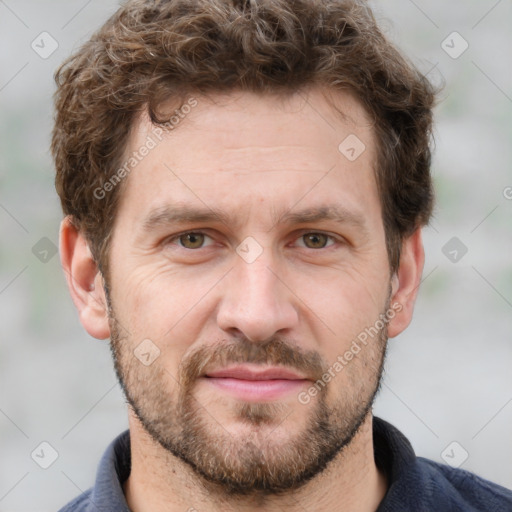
315	240
192	240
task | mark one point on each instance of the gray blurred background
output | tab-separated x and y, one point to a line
448	384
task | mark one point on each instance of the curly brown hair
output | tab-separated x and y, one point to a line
151	51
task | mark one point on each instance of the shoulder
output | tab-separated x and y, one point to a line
82	503
420	484
107	492
462	489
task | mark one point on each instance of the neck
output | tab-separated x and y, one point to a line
159	482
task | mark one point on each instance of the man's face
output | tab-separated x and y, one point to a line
283	268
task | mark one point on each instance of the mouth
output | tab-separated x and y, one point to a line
254	383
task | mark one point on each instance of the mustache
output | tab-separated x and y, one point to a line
275	352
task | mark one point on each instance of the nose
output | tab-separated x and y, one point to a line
257	302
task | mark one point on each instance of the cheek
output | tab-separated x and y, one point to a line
162	304
344	309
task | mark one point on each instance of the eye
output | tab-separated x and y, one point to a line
316	240
191	240
197	240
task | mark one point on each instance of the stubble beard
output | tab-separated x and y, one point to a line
253	464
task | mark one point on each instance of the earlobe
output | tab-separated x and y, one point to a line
84	280
406	281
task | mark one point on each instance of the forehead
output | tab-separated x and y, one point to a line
248	152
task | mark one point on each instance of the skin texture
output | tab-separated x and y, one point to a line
300	305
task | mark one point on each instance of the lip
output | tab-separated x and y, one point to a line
246	372
253	384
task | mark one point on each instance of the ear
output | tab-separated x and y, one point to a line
84	279
405	282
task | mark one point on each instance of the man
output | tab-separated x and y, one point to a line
244	184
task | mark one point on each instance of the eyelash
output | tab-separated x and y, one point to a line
302	234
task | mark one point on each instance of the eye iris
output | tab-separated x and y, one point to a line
192	240
315	240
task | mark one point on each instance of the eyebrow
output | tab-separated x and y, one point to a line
334	213
167	215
